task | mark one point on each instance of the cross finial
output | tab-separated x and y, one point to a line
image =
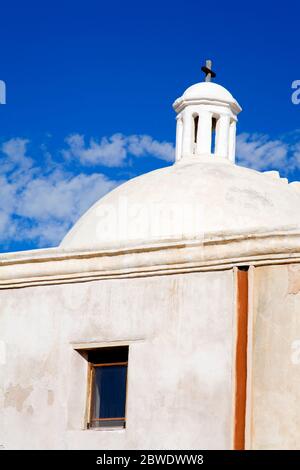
207	69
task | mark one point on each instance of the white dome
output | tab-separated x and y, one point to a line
208	90
187	202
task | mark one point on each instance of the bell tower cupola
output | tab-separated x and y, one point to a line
206	121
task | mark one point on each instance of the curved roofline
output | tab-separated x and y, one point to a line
201	198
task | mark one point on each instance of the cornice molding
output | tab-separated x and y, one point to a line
215	252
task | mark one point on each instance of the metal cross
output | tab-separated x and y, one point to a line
209	74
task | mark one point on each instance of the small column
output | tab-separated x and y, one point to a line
179	129
222	136
232	141
204	133
187	133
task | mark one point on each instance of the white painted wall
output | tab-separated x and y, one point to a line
180	361
274	414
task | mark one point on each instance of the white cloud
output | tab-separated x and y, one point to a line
41	199
259	152
7	230
15	151
13	158
296	155
113	151
61	196
110	152
142	145
40	206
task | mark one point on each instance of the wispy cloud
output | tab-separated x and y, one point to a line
113	151
110	152
40	198
144	145
261	152
58	200
38	205
14	158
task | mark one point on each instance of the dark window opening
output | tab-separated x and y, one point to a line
213	135
108	377
196	120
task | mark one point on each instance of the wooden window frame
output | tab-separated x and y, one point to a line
91	381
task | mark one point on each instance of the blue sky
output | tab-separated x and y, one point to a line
87	81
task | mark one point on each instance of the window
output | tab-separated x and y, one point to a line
108	377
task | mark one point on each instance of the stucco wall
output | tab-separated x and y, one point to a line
275	383
180	361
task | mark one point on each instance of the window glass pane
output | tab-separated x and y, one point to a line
109	391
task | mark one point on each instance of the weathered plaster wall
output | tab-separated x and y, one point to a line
180	361
275	383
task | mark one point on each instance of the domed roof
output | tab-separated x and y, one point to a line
190	201
207	91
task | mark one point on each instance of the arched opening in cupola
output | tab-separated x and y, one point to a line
195	131
196	120
213	134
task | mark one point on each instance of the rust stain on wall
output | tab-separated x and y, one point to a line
16	395
241	360
293	279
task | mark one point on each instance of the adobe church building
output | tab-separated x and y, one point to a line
169	316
